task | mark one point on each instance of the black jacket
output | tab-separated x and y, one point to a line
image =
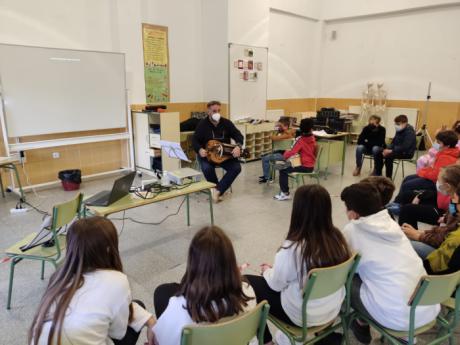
372	136
404	141
224	132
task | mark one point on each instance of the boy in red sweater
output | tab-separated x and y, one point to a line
305	146
426	178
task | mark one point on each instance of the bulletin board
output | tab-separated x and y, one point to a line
156	63
248	81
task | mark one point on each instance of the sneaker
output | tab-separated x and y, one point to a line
332	339
270	181
362	333
215	194
262	180
281	196
357	171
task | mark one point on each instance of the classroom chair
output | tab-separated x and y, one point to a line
322	282
297	176
237	330
430	290
279	145
62	215
9	164
412	160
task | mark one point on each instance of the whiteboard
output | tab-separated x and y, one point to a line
389	116
47	90
247	97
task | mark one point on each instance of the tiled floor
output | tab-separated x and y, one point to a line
156	254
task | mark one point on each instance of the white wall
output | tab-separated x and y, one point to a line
306	8
114	25
215	50
248	22
405	51
291	56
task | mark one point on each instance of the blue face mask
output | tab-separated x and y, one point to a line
453	208
436	146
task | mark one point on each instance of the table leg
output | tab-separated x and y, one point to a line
210	207
345	141
19	182
187	197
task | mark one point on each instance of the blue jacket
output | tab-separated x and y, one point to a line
404	141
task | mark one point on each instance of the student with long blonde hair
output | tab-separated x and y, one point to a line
88	299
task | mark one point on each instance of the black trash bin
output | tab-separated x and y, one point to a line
70	179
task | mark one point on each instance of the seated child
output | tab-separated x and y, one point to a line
211	288
446	258
284	133
305	146
389	269
88	299
312	242
425	179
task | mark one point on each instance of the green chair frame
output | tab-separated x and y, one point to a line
285	144
62	215
299	177
13	168
430	290
323	282
413	160
237	330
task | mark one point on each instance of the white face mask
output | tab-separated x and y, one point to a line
440	188
398	128
436	146
215	117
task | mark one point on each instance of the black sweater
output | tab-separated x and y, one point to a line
372	136
224	132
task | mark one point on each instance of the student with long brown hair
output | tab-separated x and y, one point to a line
312	242
88	299
211	288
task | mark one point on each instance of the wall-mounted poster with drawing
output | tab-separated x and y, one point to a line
156	63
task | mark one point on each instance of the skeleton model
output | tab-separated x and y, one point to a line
373	101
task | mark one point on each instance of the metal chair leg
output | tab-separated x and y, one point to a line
1	184
42	275
10	285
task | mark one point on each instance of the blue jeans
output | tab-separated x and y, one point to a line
232	169
422	249
363	150
412	183
271	157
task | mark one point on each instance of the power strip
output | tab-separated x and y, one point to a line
19	210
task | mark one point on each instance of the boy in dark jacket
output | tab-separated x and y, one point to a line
402	147
371	141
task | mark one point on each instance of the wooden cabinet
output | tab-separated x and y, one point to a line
257	138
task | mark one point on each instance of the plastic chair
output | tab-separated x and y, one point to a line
238	330
413	160
62	215
299	176
322	282
430	290
279	145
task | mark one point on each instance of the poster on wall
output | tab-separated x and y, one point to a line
156	63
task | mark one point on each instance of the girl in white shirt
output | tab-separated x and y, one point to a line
212	288
88	299
312	242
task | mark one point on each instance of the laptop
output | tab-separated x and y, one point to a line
120	188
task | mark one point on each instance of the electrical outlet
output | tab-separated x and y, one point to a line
56	155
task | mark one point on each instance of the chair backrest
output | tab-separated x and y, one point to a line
319	151
325	281
435	289
285	144
235	331
64	213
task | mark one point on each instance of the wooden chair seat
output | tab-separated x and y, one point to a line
403	334
296	332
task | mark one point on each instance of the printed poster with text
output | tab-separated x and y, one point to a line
156	63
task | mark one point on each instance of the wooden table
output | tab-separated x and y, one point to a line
9	163
334	149
133	201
